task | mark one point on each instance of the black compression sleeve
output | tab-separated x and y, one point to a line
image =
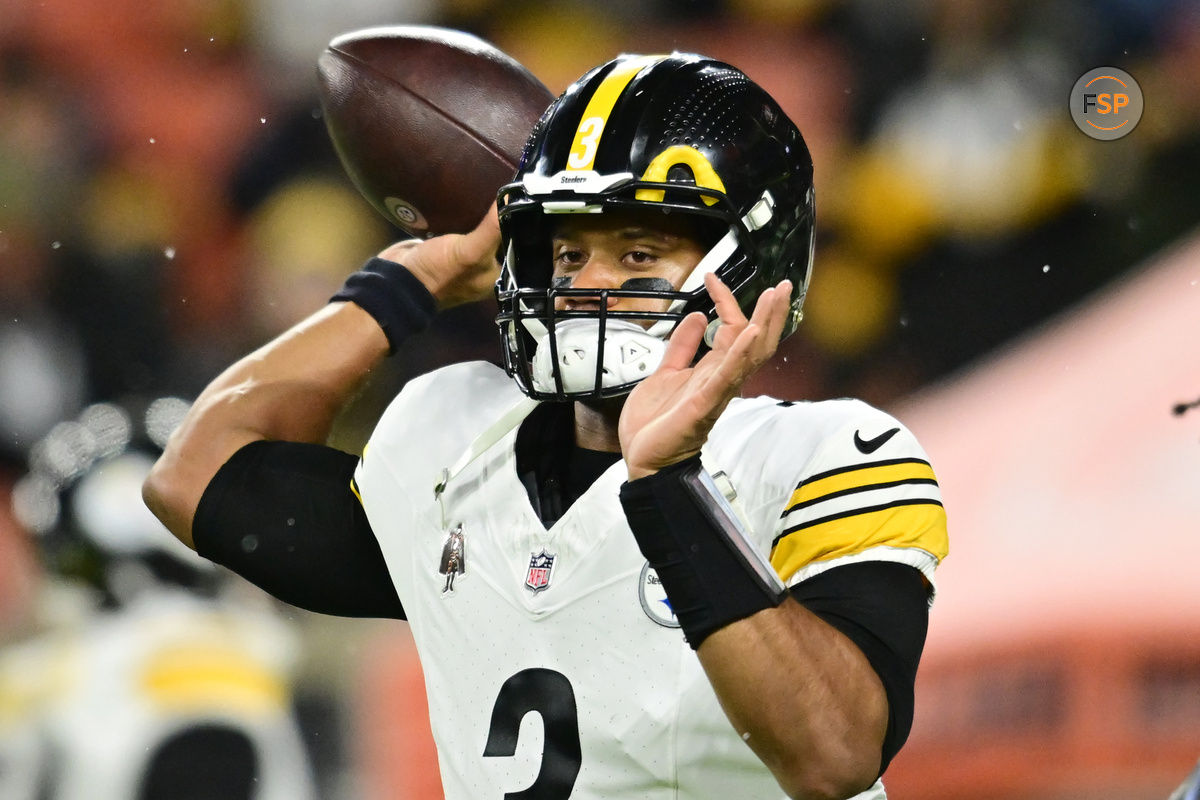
883	608
282	515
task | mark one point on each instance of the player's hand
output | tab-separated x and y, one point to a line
456	268
668	416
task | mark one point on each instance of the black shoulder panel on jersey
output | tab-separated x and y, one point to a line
282	515
883	607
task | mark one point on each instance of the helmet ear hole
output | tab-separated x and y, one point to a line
681	173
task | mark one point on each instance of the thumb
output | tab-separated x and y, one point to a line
480	244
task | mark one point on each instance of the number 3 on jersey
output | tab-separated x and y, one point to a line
549	693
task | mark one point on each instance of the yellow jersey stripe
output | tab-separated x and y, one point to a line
860	478
358	494
906	523
198	678
595	116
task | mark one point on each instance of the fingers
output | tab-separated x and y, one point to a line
770	311
684	341
479	245
744	346
755	342
770	314
726	304
398	251
456	268
780	311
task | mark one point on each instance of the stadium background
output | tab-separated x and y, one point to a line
1025	297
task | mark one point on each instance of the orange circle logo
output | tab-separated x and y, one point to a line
1106	103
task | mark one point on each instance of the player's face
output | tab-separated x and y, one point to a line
614	250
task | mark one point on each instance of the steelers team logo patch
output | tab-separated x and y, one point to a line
654	599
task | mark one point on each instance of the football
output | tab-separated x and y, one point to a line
428	122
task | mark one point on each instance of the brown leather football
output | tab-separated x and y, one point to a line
428	122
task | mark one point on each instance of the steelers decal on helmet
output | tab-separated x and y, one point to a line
582	155
702	172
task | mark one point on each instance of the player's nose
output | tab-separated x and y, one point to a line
598	272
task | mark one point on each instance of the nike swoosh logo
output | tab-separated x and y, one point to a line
868	446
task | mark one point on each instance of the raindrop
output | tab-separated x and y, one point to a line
263	120
152	140
1045	268
55	245
169	252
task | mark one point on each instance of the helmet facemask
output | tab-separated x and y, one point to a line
560	353
557	352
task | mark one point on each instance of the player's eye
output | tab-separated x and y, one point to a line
566	257
640	257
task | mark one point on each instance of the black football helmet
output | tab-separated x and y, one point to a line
675	134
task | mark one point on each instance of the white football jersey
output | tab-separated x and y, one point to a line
571	624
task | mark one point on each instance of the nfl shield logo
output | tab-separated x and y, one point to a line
540	566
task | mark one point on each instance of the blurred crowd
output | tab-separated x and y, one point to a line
169	198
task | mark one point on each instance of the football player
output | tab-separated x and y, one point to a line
145	674
700	596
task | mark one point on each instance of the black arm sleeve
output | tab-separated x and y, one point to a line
883	608
283	516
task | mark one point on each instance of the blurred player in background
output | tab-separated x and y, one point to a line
701	596
147	675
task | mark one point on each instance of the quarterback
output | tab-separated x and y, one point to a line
624	581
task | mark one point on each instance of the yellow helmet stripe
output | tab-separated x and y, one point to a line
706	177
595	116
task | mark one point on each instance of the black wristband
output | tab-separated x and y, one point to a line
393	296
693	539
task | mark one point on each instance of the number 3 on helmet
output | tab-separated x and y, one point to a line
677	134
